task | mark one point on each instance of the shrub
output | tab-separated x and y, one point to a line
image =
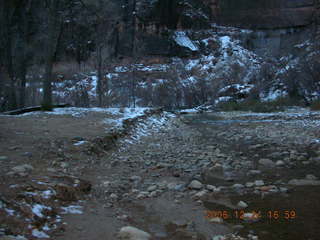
255	105
315	106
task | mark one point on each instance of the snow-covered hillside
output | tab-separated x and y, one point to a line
217	68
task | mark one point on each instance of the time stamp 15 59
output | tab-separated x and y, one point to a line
252	215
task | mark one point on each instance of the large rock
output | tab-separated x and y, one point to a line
132	233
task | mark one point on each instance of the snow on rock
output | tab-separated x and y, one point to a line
39	234
147	127
132	233
183	40
225	41
126	113
72	209
38	208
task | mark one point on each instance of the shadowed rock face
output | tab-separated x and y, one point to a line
263	14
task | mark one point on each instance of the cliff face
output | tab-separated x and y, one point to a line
264	14
254	14
276	24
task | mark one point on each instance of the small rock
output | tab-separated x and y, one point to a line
304	182
254	172
216	220
259	183
113	196
238	186
311	177
153	194
283	189
13	238
142	195
219	237
171	186
135	179
64	165
249	184
211	187
2	158
22	168
26	154
266	162
195	184
238	227
132	233
123	217
53	170
242	205
200	194
250	217
280	163
152	188
268	188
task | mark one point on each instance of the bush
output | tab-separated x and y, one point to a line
315	106
256	105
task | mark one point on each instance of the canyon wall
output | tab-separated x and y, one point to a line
264	14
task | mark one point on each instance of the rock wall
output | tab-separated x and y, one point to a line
277	24
263	14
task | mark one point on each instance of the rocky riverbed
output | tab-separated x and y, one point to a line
203	176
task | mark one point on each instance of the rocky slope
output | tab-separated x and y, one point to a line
192	52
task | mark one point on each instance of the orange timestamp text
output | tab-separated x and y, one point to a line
251	215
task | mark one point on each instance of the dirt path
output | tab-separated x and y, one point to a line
148	181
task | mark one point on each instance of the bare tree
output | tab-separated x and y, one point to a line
52	7
7	9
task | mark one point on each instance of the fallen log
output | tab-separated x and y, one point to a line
33	109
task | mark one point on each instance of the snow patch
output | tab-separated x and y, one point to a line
72	209
183	40
38	208
39	234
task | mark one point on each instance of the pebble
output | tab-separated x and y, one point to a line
283	189
211	188
216	220
249	184
242	205
195	184
238	185
304	182
259	183
135	179
311	177
266	162
280	163
2	158
152	188
200	194
113	196
22	168
254	172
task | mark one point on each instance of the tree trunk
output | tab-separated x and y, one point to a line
51	47
6	15
134	53
100	77
23	49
